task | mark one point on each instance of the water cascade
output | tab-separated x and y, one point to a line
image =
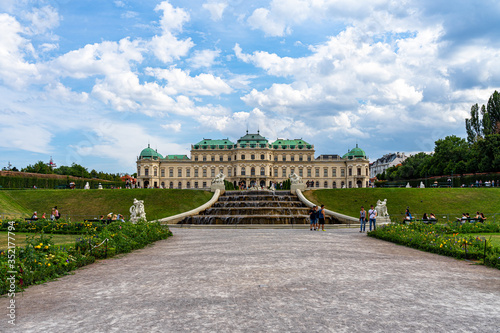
253	207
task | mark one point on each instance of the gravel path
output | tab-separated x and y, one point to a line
203	280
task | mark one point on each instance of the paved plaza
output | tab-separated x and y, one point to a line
267	280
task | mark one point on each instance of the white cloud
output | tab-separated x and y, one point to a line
15	71
47	47
172	19
261	19
168	48
43	19
204	58
129	14
119	3
179	82
172	127
216	9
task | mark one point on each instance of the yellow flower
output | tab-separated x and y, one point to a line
46	247
48	264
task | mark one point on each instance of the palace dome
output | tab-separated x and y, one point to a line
150	153
355	153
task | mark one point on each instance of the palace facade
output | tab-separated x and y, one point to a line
252	160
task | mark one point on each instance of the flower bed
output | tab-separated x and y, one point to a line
450	240
52	227
40	260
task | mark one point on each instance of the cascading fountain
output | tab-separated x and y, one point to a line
253	207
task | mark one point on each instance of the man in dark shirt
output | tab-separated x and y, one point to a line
312	217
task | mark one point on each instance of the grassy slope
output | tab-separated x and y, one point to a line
158	202
493	238
453	201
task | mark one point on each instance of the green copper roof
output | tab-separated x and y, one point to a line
214	144
150	153
252	139
296	143
355	153
177	157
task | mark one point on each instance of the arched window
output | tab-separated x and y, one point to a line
171	185
334	185
162	184
188	185
262	171
317	183
179	185
243	171
252	171
342	185
325	185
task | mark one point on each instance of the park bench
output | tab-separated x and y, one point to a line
106	221
469	220
433	221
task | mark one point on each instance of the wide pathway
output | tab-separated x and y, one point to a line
203	280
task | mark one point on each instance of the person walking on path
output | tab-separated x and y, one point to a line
362	219
312	217
372	213
321	217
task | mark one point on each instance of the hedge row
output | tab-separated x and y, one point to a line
52	227
14	182
457	180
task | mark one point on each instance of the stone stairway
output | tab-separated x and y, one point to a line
253	207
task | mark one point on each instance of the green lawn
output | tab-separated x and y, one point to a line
454	201
20	239
493	238
158	203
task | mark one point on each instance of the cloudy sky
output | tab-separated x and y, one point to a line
92	82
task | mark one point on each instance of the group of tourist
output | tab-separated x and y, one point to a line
54	215
317	218
112	217
365	216
466	217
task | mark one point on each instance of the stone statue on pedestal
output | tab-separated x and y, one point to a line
295	179
382	208
218	183
296	183
219	179
87	186
137	211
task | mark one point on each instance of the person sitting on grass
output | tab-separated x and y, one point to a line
34	216
432	217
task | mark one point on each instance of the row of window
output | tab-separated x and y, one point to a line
195	184
283	157
243	172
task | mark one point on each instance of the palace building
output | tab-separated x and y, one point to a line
252	160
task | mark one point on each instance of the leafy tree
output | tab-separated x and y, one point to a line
38	167
484	122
